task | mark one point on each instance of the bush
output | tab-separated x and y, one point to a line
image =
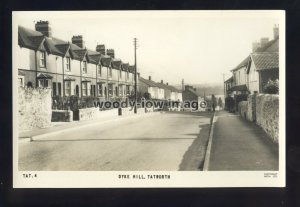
272	87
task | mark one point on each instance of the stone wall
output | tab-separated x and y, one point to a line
267	114
88	113
263	109
34	108
242	107
251	110
62	115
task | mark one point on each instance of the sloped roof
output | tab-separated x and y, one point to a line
164	86
244	63
174	89
44	76
125	66
79	54
131	68
229	80
149	82
29	38
271	46
106	60
239	88
32	39
265	60
116	63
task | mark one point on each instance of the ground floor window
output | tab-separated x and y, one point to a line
44	83
100	89
68	87
127	90
84	89
120	90
110	89
54	88
59	89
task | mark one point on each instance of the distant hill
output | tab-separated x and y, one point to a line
208	89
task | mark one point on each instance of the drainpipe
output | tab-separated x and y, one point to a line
36	69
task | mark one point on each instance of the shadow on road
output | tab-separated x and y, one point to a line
193	159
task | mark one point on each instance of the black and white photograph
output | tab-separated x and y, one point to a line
148	99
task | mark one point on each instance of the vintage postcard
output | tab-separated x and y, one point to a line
167	99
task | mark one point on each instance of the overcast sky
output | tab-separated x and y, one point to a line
194	45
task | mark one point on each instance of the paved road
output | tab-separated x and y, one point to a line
158	142
241	145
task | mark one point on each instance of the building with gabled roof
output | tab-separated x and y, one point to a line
69	68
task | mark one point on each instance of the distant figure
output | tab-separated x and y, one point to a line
214	101
230	103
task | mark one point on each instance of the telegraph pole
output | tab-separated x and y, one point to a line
135	75
224	85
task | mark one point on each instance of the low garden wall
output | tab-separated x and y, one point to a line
264	110
34	108
62	115
88	113
267	114
242	107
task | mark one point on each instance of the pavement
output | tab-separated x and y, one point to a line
163	141
239	145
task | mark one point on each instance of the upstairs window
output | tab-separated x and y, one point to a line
99	70
110	72
120	73
84	89
84	67
127	75
68	64
42	59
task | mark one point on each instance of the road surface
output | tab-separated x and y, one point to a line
164	141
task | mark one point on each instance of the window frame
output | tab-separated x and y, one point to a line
99	70
68	64
42	59
100	89
84	67
84	89
68	89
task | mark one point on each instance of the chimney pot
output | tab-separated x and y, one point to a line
167	83
264	41
100	49
149	77
44	28
162	81
78	40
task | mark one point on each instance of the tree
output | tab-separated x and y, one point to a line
272	87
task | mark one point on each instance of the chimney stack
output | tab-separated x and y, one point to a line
264	41
149	77
44	28
182	82
167	83
111	53
78	40
162	81
276	31
101	49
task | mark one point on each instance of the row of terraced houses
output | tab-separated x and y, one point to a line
69	68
